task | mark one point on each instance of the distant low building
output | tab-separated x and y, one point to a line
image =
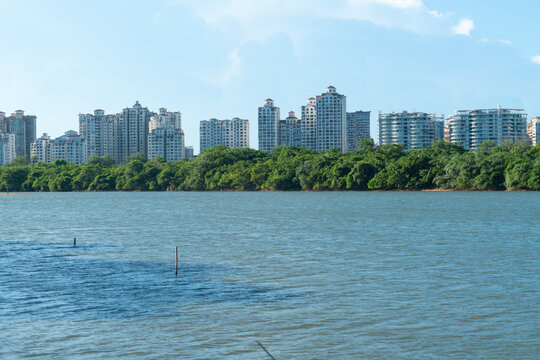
188	153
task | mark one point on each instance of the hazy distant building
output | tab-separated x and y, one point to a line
100	133
357	128
132	132
331	120
188	152
289	131
7	148
472	127
24	129
308	126
233	133
415	130
533	131
268	117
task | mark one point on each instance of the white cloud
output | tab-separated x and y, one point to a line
505	42
262	18
536	59
464	27
235	66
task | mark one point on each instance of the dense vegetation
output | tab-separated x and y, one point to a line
443	165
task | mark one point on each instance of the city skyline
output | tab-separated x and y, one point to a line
388	56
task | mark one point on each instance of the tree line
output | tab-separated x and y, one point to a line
441	166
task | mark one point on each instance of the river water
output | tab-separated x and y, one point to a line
368	275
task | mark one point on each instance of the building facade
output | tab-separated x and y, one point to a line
40	148
233	133
533	131
289	131
357	128
24	129
268	118
133	129
70	147
331	120
99	132
167	142
415	130
473	127
7	148
164	117
188	152
308	126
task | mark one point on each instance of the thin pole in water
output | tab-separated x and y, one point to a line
176	261
266	351
74	242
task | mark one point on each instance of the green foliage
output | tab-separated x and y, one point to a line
443	165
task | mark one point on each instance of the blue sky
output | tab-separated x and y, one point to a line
222	58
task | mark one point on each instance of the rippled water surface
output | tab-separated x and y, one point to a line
309	275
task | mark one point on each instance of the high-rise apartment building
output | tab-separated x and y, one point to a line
331	120
357	128
99	132
289	131
533	131
132	136
24	129
412	130
166	142
233	133
7	148
70	147
472	127
166	137
268	117
308	126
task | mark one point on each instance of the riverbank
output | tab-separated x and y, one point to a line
442	167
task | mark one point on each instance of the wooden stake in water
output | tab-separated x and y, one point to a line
74	242
266	351
176	261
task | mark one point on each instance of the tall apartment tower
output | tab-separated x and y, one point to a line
533	131
331	120
472	127
132	137
7	148
233	133
290	131
166	137
357	128
99	132
412	130
268	125
309	124
24	129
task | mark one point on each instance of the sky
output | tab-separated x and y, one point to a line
223	58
